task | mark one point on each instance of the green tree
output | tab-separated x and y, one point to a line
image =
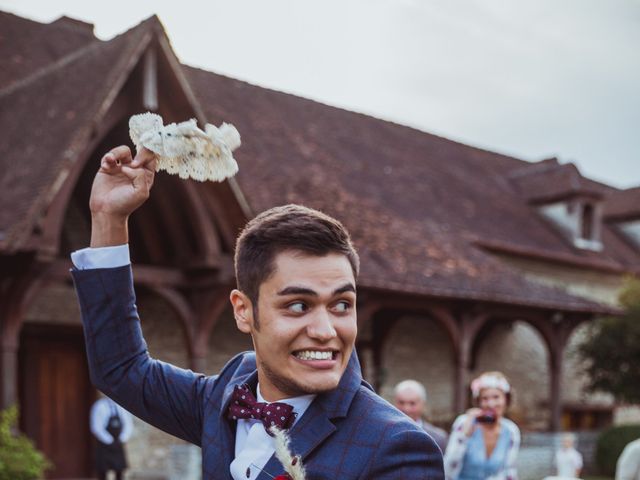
19	459
612	349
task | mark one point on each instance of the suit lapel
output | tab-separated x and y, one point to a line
316	426
312	429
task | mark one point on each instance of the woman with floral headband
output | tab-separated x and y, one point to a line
483	443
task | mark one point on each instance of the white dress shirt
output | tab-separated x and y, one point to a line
103	257
253	447
101	410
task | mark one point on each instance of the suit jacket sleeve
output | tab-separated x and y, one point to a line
407	454
161	394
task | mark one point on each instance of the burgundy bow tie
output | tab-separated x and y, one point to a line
244	405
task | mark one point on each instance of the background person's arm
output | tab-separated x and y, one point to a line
98	423
127	425
628	466
457	447
510	471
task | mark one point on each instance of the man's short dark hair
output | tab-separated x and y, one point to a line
289	227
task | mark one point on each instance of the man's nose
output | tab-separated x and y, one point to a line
321	326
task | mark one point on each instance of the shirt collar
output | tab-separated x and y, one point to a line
299	404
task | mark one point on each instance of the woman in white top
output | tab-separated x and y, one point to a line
483	443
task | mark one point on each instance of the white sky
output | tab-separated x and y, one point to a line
530	78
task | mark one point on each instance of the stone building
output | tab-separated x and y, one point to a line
471	260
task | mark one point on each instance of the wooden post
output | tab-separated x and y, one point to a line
460	374
9	379
469	325
561	329
198	363
555	361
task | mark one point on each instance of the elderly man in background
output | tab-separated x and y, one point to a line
410	397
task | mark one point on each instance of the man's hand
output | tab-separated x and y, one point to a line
121	185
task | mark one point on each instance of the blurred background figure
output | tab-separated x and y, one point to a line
410	397
112	426
628	466
483	443
568	459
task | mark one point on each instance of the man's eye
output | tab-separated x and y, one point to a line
342	307
297	307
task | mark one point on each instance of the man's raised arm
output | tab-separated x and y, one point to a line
159	393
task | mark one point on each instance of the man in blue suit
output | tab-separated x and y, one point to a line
296	271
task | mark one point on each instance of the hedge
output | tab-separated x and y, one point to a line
611	442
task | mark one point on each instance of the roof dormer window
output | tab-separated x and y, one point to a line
588	229
578	219
572	203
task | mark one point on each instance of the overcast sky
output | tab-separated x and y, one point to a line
529	78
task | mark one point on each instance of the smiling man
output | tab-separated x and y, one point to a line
296	272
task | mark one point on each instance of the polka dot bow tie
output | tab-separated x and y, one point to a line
244	405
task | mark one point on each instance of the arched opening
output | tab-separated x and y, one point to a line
519	351
581	410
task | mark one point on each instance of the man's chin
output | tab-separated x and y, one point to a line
311	387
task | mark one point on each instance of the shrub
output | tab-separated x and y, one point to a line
612	350
611	442
19	459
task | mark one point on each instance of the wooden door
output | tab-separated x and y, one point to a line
56	396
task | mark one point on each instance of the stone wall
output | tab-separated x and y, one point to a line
225	342
419	348
56	304
594	284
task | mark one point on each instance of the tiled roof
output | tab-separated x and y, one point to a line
549	180
26	46
46	119
623	205
414	202
417	205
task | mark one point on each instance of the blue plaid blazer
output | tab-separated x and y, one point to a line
348	433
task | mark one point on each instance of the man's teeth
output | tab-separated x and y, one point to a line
314	355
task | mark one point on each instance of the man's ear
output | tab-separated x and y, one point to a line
242	310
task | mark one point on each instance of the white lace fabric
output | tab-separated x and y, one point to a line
185	150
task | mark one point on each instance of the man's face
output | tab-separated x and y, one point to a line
410	403
307	324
